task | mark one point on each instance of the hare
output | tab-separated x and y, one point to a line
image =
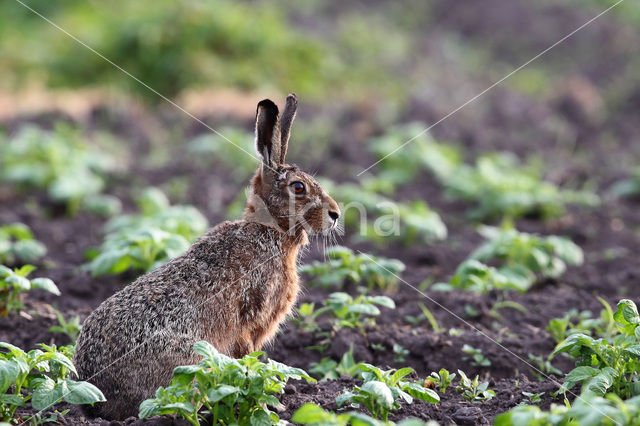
232	288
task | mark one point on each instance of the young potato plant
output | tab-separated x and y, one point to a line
61	163
524	259
230	391
381	391
502	188
587	410
442	379
329	369
422	153
473	390
41	377
349	312
607	365
14	283
149	239
475	356
18	245
343	266
583	322
70	327
413	222
314	415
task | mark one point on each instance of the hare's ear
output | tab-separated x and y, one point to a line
268	134
285	123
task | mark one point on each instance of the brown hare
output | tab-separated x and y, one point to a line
232	288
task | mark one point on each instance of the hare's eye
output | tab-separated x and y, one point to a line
298	188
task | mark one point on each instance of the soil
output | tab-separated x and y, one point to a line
503	119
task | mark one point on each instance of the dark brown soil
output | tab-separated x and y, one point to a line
600	150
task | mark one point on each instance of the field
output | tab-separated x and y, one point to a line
519	209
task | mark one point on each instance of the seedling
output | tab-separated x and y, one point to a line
23	379
345	266
60	162
400	353
502	188
589	409
473	390
14	283
524	259
544	365
442	379
149	239
583	322
607	365
426	314
231	391
382	391
306	318
349	312
475	356
387	219
69	327
18	245
329	369
534	398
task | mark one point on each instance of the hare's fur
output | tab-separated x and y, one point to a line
232	288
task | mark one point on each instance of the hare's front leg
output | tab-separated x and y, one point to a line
242	346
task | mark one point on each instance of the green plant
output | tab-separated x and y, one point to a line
328	369
442	379
13	283
344	265
629	187
381	391
503	188
607	365
314	415
584	322
149	239
534	398
231	391
349	312
60	162
409	222
69	327
544	365
306	318
524	258
587	410
475	356
425	314
399	353
23	379
17	244
473	390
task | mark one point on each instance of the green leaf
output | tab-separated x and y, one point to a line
47	394
11	399
45	284
380	392
420	392
221	392
627	312
260	418
148	408
9	371
385	301
82	393
361	308
580	374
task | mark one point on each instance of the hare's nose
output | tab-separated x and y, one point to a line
334	215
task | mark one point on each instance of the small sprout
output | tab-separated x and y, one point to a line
330	369
71	327
534	398
424	315
14	283
400	353
442	379
476	357
473	390
18	245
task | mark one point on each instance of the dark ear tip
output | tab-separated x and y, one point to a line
292	98
268	104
